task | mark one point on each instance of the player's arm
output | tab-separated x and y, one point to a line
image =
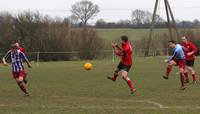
25	58
194	49
117	49
6	57
115	46
4	61
173	56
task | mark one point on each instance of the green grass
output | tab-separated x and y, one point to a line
133	34
66	88
114	34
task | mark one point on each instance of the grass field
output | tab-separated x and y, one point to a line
133	34
114	34
65	88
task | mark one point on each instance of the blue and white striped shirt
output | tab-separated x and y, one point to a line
16	60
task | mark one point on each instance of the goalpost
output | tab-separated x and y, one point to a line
72	55
38	56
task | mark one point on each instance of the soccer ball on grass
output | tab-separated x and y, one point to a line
87	66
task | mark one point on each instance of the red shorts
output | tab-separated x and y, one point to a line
19	74
181	63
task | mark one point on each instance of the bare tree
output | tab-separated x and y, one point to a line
159	19
84	10
124	23
72	19
100	23
140	17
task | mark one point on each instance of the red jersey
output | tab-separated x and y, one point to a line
22	49
126	54
189	47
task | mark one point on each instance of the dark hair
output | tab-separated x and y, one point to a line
172	41
186	37
124	38
13	46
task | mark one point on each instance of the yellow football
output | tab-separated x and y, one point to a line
87	66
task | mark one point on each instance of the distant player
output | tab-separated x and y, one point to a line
190	49
125	53
22	50
19	47
18	71
178	58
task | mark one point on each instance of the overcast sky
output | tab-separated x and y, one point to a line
110	10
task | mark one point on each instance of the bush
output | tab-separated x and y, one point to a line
158	45
45	34
87	42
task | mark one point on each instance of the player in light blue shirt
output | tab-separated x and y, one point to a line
178	52
178	58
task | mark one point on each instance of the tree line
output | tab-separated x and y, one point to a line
38	33
83	11
142	19
159	44
41	33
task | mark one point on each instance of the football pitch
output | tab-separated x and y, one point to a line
66	88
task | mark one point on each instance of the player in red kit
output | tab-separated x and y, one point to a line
125	53
189	49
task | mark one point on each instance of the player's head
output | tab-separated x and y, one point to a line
124	39
17	44
184	39
172	43
14	47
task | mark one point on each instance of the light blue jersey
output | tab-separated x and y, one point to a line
178	53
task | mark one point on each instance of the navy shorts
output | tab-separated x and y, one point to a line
122	66
190	63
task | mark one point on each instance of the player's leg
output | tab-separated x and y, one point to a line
25	77
192	71
190	65
181	71
169	69
20	83
115	75
187	70
116	71
182	79
124	75
186	77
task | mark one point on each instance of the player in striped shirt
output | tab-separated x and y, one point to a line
18	71
20	47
